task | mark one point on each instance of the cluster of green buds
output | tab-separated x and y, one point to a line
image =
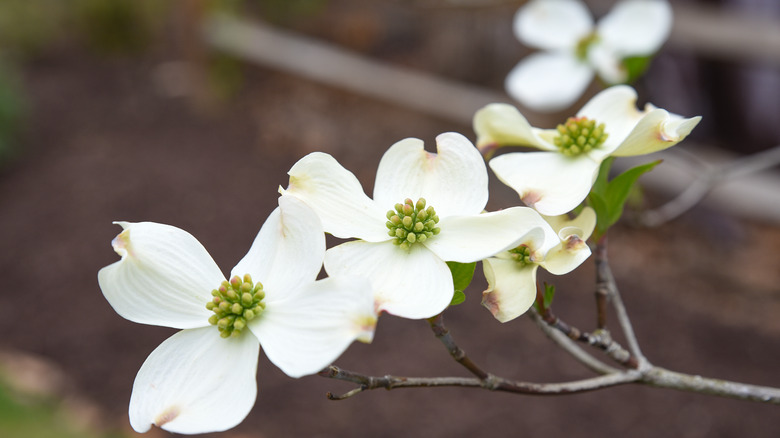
412	222
579	135
522	255
235	303
584	45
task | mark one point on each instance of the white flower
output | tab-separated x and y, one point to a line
573	49
402	250
558	246
555	181
202	379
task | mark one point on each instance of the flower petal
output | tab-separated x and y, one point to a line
500	124
567	256
454	181
547	81
467	239
511	289
196	382
412	284
636	27
585	222
549	182
165	276
553	24
608	64
615	107
656	131
337	197
308	328
288	250
572	235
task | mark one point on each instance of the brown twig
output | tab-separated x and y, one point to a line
492	383
600	339
441	332
602	285
604	277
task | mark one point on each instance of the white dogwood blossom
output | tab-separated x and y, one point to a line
574	49
202	379
558	246
558	179
427	209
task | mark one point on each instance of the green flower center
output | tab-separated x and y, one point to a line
583	45
411	222
235	303
522	255
579	135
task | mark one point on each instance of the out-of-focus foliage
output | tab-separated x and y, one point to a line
286	11
119	25
13	107
25	416
26	26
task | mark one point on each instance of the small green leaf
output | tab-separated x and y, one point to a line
549	294
599	205
462	274
608	197
635	66
600	185
458	298
619	188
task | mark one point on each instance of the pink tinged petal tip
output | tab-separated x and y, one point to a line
530	198
574	243
121	243
169	414
365	326
491	302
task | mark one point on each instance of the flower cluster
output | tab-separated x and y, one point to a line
558	179
426	217
574	49
202	379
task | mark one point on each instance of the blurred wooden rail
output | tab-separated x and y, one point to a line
758	195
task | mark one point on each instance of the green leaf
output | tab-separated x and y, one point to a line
549	294
635	66
619	188
462	274
609	197
599	205
458	298
600	185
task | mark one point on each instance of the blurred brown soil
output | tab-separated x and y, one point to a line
104	144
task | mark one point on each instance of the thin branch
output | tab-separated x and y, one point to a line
570	346
653	376
600	339
604	275
441	332
492	383
664	378
602	285
707	180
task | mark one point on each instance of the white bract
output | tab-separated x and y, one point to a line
558	246
427	210
557	180
202	379
573	49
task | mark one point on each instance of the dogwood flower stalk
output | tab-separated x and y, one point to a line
427	210
574	49
558	179
202	379
558	246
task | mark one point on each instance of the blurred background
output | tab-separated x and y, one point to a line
175	112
